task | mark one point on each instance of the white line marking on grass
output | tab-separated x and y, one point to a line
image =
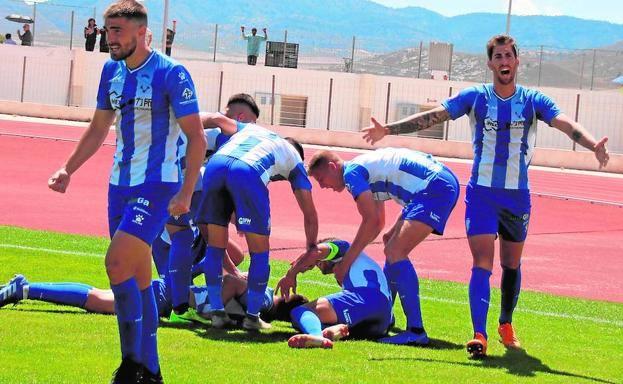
48	250
560	315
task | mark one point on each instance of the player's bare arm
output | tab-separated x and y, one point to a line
227	125
410	124
305	262
195	153
310	216
372	222
580	135
89	143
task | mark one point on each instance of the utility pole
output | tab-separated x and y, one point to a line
508	17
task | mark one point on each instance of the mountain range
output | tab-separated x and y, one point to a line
332	23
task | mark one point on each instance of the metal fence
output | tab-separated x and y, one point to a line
540	65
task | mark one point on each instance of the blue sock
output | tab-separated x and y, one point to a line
479	296
160	254
306	321
129	308
180	264
408	286
259	272
511	285
149	340
213	270
74	294
392	284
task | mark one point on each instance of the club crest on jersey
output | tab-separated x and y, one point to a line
187	94
182	76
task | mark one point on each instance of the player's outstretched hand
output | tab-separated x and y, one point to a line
179	204
375	132
59	181
286	285
601	152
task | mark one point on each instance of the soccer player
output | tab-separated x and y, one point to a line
235	180
425	188
102	301
363	308
503	116
152	97
242	107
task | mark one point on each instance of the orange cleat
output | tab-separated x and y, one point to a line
508	338
309	341
477	347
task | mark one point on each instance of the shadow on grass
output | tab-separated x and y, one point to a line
515	362
236	335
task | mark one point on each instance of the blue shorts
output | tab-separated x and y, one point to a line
140	210
186	219
366	311
433	205
497	210
163	300
231	185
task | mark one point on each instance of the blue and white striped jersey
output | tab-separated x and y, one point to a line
147	101
390	173
366	273
270	155
503	132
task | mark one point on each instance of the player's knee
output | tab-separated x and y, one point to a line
393	253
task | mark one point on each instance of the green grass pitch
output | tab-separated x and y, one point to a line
566	340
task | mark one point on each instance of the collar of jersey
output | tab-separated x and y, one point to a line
140	66
508	98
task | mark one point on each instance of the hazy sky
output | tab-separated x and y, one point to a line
607	10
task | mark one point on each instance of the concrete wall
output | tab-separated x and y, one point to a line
60	77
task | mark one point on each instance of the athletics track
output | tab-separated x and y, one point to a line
574	246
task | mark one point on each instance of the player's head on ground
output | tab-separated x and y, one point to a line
242	107
281	308
297	146
326	167
333	253
126	23
503	59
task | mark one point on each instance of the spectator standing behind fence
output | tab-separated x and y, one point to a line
26	37
170	37
103	40
8	40
90	34
253	44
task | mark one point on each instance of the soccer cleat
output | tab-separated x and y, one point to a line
14	291
151	378
187	317
309	341
335	332
406	338
254	324
477	347
508	338
129	372
220	319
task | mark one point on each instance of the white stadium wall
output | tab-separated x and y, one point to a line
60	77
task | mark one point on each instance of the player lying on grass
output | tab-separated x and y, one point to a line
363	309
102	301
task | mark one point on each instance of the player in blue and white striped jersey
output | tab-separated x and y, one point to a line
425	188
503	116
179	228
235	181
153	99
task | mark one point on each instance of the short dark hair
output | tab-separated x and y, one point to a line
7	36
500	40
90	18
297	146
281	308
130	9
320	159
248	100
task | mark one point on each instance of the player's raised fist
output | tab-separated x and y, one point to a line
59	181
